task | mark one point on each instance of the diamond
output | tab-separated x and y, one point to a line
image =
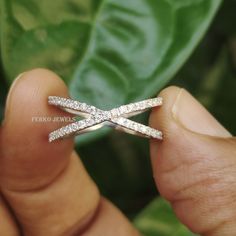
81	124
74	126
142	129
142	105
122	109
134	126
90	122
98	118
73	105
92	110
115	112
83	106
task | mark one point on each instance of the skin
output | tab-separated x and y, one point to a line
45	189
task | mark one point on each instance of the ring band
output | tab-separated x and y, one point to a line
96	118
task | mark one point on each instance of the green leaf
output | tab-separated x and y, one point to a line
41	34
114	51
158	219
109	52
138	45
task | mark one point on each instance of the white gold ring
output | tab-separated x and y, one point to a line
96	118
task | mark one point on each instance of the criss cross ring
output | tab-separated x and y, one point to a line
95	118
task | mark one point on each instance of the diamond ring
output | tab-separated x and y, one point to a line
95	118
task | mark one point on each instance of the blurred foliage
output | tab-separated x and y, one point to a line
121	51
210	73
157	219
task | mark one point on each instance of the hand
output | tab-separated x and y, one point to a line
47	192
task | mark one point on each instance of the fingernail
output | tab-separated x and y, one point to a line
193	116
8	100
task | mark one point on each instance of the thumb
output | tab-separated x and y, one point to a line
195	166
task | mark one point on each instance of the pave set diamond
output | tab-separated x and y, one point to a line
96	118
